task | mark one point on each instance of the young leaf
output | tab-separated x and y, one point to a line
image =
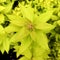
44	17
58	22
1	30
16	20
40	38
6	44
24	58
27	12
19	35
1	18
27	53
2	48
11	28
1	1
37	58
45	27
38	50
8	7
25	43
2	8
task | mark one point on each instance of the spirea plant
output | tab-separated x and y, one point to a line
31	28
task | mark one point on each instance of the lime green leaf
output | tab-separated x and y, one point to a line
40	38
2	48
25	43
19	35
8	7
45	27
58	22
27	53
44	17
2	1
33	35
1	30
24	58
11	28
15	19
1	35
54	17
27	12
6	44
38	49
1	18
1	8
8	1
37	58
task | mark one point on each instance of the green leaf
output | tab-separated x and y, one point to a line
2	48
8	7
6	44
27	53
58	22
45	27
16	20
44	17
25	43
12	28
1	35
27	12
40	38
38	50
2	8
24	58
1	30
37	58
19	35
2	18
2	1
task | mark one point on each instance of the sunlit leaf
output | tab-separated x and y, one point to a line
15	19
27	12
58	22
44	17
37	58
6	44
25	43
19	35
8	7
1	8
2	1
40	38
24	58
38	49
2	49
11	28
45	27
1	18
27	53
1	30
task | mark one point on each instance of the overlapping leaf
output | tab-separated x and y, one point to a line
40	38
27	12
19	35
11	28
45	27
15	19
25	43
